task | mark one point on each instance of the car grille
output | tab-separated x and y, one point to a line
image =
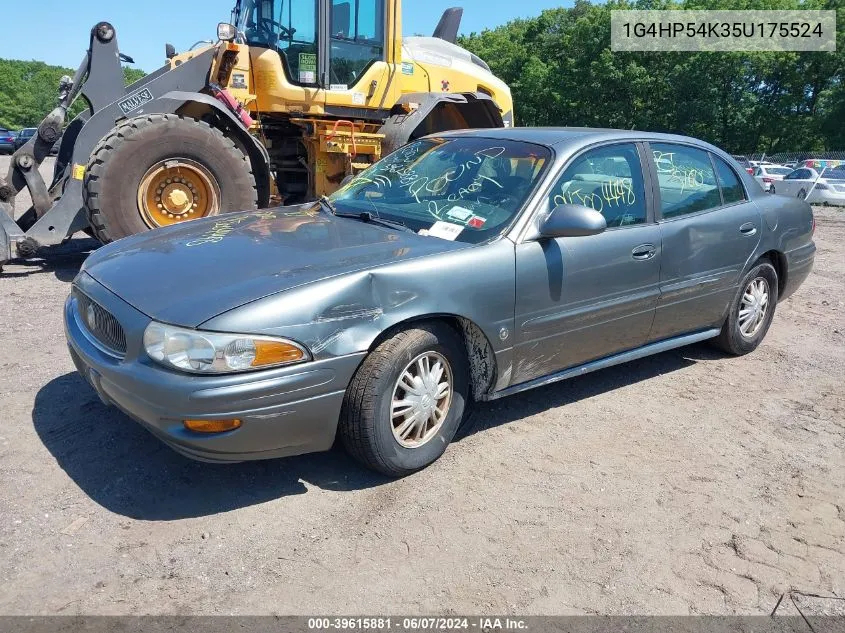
100	324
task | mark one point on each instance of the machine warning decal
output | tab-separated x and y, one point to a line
308	68
78	172
135	101
407	68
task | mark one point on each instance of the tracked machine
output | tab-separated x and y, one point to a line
294	97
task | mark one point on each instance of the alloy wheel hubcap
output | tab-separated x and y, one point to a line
754	307
421	400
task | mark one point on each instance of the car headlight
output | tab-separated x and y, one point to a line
200	352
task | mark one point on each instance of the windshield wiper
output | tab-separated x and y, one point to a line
327	205
366	216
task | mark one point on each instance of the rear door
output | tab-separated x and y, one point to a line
793	182
583	298
708	228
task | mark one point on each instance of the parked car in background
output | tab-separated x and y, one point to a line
465	266
7	141
825	186
768	173
27	133
744	162
23	136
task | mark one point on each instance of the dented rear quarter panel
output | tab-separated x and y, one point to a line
346	314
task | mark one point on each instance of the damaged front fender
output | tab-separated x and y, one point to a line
343	315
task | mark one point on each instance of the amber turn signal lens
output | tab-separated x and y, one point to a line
211	426
275	353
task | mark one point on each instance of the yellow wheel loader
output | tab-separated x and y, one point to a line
295	96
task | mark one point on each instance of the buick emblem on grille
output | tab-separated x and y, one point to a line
91	317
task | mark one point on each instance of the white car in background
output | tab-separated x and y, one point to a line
766	174
816	187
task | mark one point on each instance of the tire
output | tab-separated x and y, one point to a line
731	339
366	421
802	195
772	190
121	161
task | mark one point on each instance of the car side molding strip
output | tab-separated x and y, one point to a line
609	361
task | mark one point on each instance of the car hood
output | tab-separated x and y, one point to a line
189	273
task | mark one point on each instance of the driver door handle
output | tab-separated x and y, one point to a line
644	251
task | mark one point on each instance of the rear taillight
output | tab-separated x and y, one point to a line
750	170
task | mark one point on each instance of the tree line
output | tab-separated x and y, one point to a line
562	72
29	91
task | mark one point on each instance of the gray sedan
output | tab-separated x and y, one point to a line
463	267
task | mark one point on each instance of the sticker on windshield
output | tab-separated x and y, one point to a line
307	68
444	230
459	213
476	222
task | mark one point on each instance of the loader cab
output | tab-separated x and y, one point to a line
322	43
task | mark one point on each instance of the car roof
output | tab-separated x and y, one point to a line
556	136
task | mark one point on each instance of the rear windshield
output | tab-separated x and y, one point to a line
778	171
838	173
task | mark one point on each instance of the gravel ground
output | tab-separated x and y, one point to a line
684	483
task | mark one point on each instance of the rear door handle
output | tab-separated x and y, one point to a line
748	229
644	251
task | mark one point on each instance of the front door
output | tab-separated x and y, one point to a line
709	229
583	298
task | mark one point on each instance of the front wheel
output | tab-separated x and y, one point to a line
407	400
751	311
162	169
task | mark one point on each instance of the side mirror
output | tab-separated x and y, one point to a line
226	32
572	220
169	51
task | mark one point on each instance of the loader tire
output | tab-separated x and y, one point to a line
131	165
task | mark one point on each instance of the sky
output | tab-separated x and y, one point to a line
144	26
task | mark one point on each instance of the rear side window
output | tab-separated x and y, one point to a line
732	190
686	179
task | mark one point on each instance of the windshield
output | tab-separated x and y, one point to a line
837	173
288	27
468	189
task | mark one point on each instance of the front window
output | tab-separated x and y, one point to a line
288	27
608	179
778	171
357	39
837	173
469	189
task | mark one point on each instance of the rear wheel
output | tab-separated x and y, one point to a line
802	195
751	311
162	169
407	400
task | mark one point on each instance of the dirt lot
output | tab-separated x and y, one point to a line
683	483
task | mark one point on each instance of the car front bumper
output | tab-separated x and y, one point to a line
284	411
